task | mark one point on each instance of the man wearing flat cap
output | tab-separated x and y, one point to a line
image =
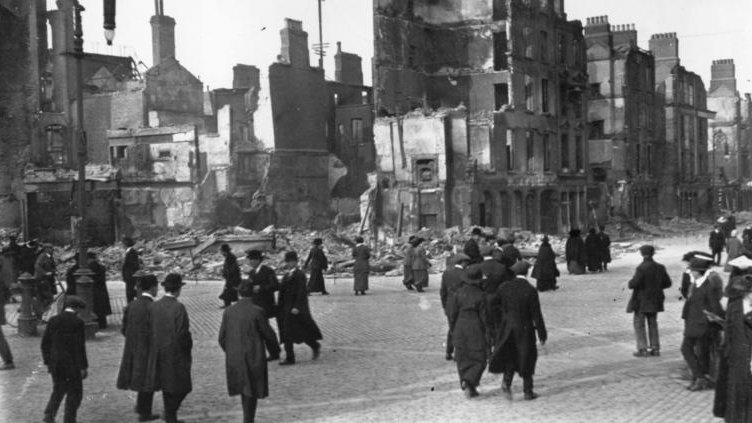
647	285
134	374
264	283
64	354
703	296
171	344
451	281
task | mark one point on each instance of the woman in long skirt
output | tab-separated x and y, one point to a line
420	265
467	318
545	271
361	253
318	263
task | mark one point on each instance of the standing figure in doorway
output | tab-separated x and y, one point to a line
362	254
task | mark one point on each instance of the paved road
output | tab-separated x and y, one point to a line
383	361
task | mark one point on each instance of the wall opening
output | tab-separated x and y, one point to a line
501	46
501	95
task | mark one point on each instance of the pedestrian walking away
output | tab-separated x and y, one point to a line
420	265
362	267
245	337
296	325
717	242
593	251
264	282
515	350
231	275
471	247
407	264
467	318
545	271
647	285
171	345
131	264
135	373
451	280
605	247
495	273
703	297
64	354
575	253
317	263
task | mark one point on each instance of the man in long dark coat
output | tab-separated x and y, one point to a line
420	266
451	280
171	345
64	354
231	275
362	267
134	374
131	264
44	272
515	349
545	271
471	247
296	325
245	336
593	251
717	242
647	285
407	264
605	247
264	282
318	263
702	297
494	274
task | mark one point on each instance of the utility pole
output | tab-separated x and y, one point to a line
320	50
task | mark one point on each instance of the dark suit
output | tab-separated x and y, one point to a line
648	283
64	354
515	349
717	242
231	275
696	344
134	371
296	328
495	274
451	281
170	354
131	264
265	278
245	336
472	250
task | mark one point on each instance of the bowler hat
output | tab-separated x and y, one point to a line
172	282
254	255
520	268
699	265
459	258
146	281
225	248
291	256
647	250
74	301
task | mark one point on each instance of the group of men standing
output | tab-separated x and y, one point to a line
493	314
591	254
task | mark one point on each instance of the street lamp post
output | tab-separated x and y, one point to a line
84	281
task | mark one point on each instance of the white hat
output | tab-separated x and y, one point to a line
741	263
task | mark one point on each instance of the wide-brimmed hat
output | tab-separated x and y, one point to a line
520	268
172	282
318	241
702	255
254	255
145	281
647	250
74	301
476	231
699	265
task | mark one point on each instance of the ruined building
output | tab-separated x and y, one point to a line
731	137
481	114
685	180
627	138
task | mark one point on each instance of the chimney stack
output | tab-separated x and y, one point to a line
348	67
245	76
163	37
295	45
665	46
723	74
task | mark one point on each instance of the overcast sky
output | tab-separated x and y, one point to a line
213	35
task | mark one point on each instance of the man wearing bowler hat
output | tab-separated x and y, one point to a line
647	285
296	325
171	344
264	283
451	281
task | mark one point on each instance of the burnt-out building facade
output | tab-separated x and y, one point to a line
626	132
685	177
730	135
481	114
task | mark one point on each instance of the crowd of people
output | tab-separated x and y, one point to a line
593	254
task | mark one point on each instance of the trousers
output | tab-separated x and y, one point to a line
696	352
639	327
527	381
172	403
144	401
72	390
249	408
290	349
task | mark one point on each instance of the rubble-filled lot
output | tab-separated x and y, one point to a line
195	252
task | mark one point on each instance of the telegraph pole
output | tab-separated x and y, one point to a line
320	51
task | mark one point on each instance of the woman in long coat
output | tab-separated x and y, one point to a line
593	251
605	247
467	320
296	325
733	392
361	253
545	271
318	263
575	253
420	265
231	275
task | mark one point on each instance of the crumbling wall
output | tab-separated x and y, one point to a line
165	207
172	88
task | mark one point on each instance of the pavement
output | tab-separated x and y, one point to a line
383	361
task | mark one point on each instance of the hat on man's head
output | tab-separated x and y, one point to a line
476	231
520	268
145	281
318	241
460	258
225	248
291	256
172	282
647	250
254	255
699	265
74	301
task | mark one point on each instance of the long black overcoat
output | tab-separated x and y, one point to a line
231	275
593	251
301	327
245	336
515	348
647	285
706	297
545	264
64	346
171	345
318	264
268	283
467	319
134	371
451	281
733	391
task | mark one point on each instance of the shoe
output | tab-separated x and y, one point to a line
419	289
529	396
287	362
324	293
362	292
8	366
700	384
149	417
640	353
409	287
507	391
471	392
655	353
449	357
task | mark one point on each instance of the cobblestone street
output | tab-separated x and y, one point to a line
383	361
